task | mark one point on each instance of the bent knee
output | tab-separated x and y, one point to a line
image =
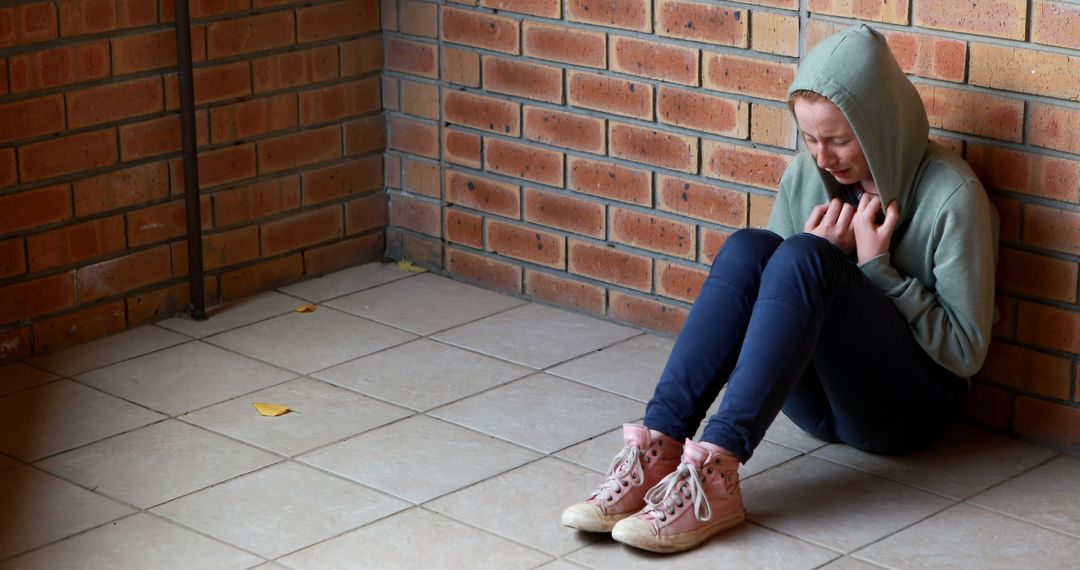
748	244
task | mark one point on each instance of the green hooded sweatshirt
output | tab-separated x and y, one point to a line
939	271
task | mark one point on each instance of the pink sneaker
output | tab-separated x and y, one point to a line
700	499
641	464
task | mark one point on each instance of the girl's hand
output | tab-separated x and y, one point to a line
871	239
832	221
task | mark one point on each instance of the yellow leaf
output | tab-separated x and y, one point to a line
272	410
409	267
309	308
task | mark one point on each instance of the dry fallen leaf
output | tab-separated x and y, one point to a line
308	308
271	410
410	267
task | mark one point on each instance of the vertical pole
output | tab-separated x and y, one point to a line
191	161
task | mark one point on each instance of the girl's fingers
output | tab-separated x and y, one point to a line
847	212
892	216
815	217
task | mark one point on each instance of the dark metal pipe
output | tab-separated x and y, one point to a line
191	161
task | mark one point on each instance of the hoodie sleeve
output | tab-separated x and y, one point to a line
780	221
952	321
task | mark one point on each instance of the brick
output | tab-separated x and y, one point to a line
1026	71
220	249
422	178
1052	228
31	118
121	188
773	126
746	76
523	79
392	170
564	212
258	200
1006	325
1056	424
646	313
760	208
995	18
227	164
364	135
679	281
37	297
420	250
701	201
262	276
700	22
481	30
78	327
15	344
710	243
1054	127
464	228
1055	23
389	13
605	263
526	243
3	76
74	243
610	95
650	146
1034	174
524	161
296	68
1008	210
607	180
1027	370
924	55
482	112
645	58
653	233
159	136
743	165
255	33
27	24
114	102
390	94
419	19
12	257
566	130
300	149
59	66
163	221
337	102
212	84
367	213
1049	327
701	112
338	181
629	14
8	168
153	50
153	306
564	45
461	148
414	137
420	216
988	407
343	254
415	58
543	8
79	17
205	8
317	23
895	12
420	99
461	66
57	157
124	274
361	56
568	293
1037	275
776	33
483	194
491	273
303	230
254	117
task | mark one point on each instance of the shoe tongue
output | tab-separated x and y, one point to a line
636	436
694	454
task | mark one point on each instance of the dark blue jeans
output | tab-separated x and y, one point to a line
794	324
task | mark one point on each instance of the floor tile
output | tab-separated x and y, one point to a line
157	463
834	506
1048	495
419	458
425	304
307	342
560	564
107	350
965	461
19	376
236	314
39	508
139	541
322	414
63	415
416	539
423	374
849	563
596	453
969	537
346	281
184	378
631	368
529	502
537	335
784	432
282	508
746	546
542	412
766	456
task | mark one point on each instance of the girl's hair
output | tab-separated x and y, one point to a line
808	95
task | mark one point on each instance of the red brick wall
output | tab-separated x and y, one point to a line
291	137
595	154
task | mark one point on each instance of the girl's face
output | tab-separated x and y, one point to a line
832	143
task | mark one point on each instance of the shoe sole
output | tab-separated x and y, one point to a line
591	522
676	542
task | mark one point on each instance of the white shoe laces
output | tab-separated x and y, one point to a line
661	500
625	471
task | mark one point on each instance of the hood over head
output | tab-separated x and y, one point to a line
855	70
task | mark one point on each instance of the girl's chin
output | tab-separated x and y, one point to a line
844	177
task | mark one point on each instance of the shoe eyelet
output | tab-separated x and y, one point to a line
709	471
655	453
671	511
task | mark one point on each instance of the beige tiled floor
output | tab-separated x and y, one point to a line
438	425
